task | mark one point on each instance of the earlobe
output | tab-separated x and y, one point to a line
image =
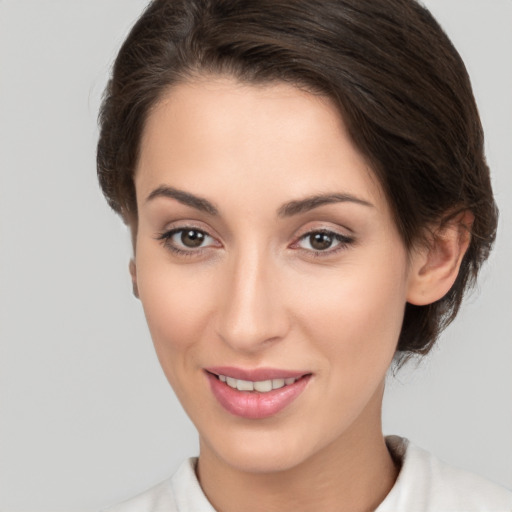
133	274
435	266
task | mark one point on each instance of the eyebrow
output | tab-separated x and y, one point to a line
287	210
199	203
312	202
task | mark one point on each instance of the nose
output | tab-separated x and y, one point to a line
252	313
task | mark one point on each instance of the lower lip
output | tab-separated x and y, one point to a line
254	405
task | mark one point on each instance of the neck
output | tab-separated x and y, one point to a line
354	473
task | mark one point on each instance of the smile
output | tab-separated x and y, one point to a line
256	394
261	386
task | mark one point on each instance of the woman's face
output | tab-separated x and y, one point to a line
266	253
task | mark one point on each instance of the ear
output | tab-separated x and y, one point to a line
435	265
133	274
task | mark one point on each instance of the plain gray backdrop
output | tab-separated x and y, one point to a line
86	415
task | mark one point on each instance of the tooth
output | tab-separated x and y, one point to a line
231	382
244	385
277	383
263	386
222	378
289	381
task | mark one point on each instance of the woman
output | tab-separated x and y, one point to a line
308	199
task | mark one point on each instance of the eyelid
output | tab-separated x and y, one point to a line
165	238
344	241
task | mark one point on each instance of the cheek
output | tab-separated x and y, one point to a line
356	314
177	302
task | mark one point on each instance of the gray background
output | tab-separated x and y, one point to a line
86	416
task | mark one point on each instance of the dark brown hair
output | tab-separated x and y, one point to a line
401	87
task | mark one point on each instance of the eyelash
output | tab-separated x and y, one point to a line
166	240
343	242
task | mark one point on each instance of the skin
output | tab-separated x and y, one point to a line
256	294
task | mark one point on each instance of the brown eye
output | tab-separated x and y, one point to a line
321	241
187	241
325	241
192	238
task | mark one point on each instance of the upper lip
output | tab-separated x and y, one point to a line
256	374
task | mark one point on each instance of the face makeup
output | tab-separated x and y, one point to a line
255	394
271	273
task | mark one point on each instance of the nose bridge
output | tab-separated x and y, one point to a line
251	312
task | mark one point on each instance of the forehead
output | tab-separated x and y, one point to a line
214	134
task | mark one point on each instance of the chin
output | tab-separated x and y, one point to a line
261	452
260	462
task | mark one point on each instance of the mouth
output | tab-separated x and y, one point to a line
256	394
259	386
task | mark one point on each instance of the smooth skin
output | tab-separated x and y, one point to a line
260	275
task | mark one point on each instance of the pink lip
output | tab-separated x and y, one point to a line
254	405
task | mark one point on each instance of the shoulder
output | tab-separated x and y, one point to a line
157	498
427	484
181	492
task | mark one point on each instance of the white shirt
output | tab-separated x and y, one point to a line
424	484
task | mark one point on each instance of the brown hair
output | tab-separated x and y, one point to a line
401	87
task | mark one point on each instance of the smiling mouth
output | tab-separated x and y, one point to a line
259	386
256	394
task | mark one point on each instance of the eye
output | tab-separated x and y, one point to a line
323	241
190	238
186	240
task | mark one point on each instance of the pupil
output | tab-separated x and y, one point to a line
192	238
320	241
